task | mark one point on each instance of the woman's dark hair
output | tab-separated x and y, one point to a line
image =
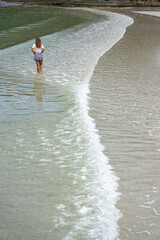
38	42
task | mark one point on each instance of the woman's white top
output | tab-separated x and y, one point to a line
38	50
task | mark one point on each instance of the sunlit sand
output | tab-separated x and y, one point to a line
151	13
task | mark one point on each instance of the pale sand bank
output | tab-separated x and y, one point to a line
125	91
151	13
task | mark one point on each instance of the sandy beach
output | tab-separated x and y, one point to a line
127	79
150	13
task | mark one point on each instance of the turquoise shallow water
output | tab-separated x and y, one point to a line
56	181
22	24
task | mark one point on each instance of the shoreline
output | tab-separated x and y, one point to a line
129	9
93	4
129	63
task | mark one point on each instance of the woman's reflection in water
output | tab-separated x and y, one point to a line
38	89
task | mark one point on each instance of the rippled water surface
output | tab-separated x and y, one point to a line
56	182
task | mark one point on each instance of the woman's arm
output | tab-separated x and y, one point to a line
43	50
33	50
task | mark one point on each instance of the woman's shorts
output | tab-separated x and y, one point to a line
38	56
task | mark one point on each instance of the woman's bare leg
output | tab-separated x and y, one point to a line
38	66
40	63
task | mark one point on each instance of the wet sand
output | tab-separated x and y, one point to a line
151	13
125	103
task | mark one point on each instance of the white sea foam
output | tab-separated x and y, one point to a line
96	201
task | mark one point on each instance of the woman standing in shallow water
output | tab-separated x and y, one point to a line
38	49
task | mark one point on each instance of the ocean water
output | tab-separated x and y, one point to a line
56	181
